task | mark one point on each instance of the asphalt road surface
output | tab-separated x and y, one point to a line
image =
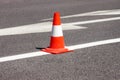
91	28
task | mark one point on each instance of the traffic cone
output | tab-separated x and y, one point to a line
57	44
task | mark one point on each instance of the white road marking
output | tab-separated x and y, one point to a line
74	47
91	44
93	13
35	28
22	56
45	27
106	12
94	21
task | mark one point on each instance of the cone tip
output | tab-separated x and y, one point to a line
56	18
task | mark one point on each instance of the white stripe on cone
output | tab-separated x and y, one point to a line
57	31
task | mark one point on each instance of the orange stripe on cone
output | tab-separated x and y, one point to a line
57	44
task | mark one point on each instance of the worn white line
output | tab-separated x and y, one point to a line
74	47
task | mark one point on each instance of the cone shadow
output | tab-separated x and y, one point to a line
40	48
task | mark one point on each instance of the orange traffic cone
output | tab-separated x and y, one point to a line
57	44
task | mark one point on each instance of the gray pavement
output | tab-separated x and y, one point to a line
94	63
